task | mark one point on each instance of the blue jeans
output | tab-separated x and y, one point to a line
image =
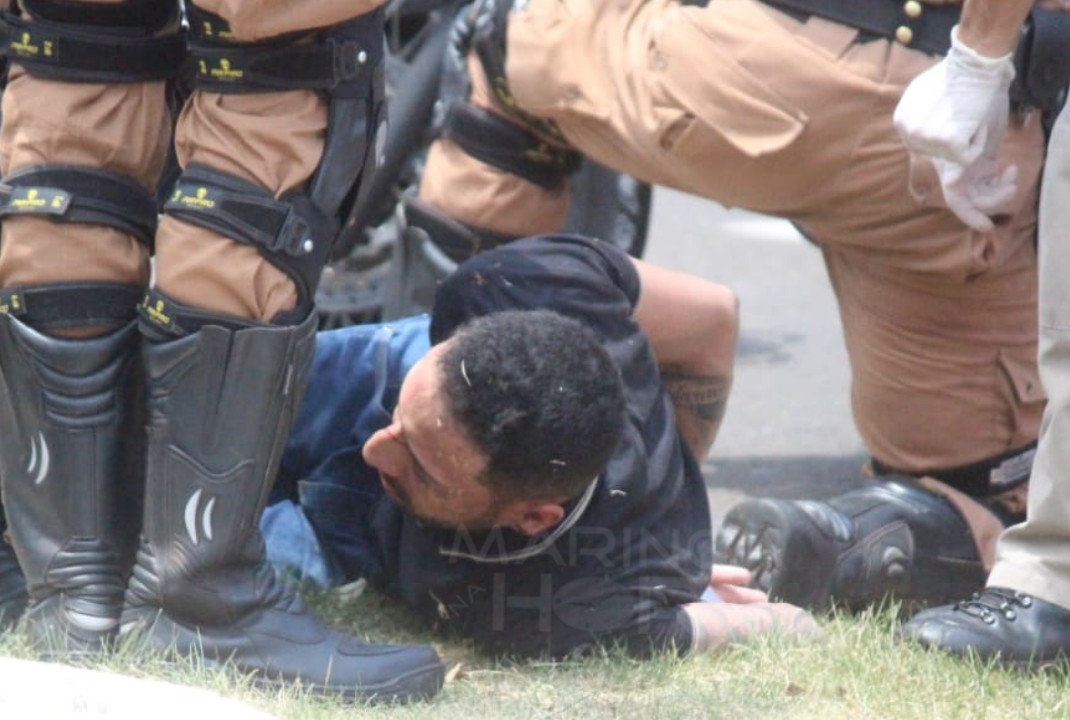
317	525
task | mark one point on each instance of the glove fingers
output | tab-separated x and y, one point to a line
995	196
964	208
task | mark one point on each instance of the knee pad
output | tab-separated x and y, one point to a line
294	232
75	194
519	143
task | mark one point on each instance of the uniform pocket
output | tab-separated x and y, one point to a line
1024	379
1026	403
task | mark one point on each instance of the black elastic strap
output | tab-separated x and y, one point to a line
248	69
74	193
162	318
146	16
457	240
290	232
339	60
89	54
507	146
72	305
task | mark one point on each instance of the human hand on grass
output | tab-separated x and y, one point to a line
731	583
744	613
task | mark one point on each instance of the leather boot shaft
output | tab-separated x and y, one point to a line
71	463
221	402
220	406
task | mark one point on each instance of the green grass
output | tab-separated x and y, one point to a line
857	671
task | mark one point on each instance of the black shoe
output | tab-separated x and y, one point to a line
891	540
1016	628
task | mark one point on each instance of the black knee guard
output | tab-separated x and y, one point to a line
517	145
73	194
135	41
295	232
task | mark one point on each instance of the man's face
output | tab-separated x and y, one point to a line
426	463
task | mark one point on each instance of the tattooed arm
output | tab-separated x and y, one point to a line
693	326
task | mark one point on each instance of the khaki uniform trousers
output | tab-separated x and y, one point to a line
273	139
1034	556
750	107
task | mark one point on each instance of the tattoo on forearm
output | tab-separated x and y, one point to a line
700	402
703	395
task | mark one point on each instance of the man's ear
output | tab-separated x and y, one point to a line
531	517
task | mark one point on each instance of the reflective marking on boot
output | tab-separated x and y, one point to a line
92	623
895	562
41	465
191	516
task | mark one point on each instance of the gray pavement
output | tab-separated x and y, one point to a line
788	431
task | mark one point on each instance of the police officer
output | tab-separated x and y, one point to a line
785	107
273	143
955	113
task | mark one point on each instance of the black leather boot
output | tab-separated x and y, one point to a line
221	402
996	623
892	540
71	472
12	582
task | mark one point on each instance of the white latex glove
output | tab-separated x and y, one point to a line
956	113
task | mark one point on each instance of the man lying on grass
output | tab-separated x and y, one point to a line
522	468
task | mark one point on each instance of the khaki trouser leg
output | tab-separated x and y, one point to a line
124	128
1035	556
749	107
273	139
484	196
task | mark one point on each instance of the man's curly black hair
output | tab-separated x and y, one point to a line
539	396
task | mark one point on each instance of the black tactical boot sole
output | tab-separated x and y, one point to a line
787	554
278	650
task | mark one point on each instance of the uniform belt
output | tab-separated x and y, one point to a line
909	22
